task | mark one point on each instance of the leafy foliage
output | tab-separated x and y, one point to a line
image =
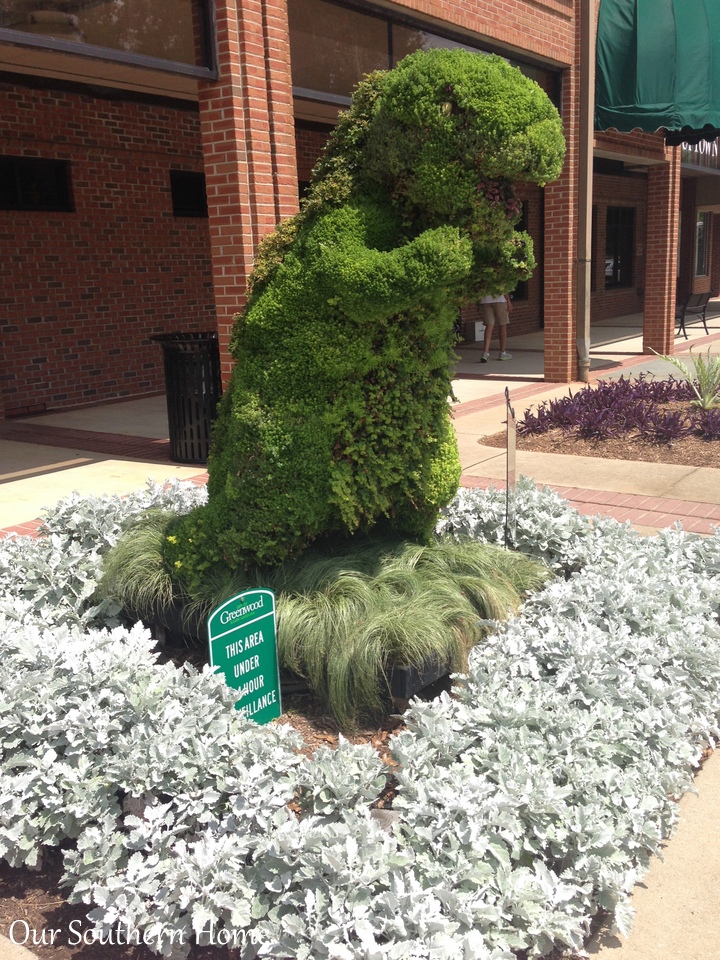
525	804
705	382
54	578
336	416
597	425
662	427
707	424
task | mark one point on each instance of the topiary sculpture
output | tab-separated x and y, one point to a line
337	415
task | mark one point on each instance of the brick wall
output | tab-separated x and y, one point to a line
81	292
663	209
542	27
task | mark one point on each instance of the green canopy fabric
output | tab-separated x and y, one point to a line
658	65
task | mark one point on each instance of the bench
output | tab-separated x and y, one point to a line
694	305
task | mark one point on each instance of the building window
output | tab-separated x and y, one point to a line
702	244
619	246
31	183
333	46
189	198
594	250
175	31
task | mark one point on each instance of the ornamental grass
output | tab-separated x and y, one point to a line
348	610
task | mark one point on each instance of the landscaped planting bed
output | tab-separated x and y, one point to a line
656	421
526	803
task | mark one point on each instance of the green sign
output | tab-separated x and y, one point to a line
242	644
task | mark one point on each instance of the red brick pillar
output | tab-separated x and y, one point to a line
663	205
246	119
560	250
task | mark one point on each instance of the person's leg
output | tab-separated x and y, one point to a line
488	337
489	321
502	318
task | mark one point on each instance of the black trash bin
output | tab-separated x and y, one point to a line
193	389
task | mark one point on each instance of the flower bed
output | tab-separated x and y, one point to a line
640	407
525	804
641	419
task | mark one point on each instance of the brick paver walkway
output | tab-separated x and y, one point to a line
645	511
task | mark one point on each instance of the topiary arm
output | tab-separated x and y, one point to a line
364	281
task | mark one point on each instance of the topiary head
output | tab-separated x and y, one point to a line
447	132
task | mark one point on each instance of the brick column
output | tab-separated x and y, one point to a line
663	205
246	119
560	249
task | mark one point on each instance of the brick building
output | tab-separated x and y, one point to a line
145	149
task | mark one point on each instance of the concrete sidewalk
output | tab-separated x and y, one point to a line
677	904
114	448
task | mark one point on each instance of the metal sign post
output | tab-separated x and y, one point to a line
243	645
510	515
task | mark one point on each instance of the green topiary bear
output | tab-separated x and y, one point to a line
337	412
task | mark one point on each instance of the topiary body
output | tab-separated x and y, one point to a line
337	414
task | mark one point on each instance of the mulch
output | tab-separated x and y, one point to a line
689	451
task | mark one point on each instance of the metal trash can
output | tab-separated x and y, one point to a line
193	389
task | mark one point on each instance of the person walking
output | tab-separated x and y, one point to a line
496	309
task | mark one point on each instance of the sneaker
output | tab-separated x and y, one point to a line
484	358
505	356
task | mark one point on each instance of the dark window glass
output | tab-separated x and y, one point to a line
594	253
173	30
407	40
30	183
702	244
331	47
619	246
189	198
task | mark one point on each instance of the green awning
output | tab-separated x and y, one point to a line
658	66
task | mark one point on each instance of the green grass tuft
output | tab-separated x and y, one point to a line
134	571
